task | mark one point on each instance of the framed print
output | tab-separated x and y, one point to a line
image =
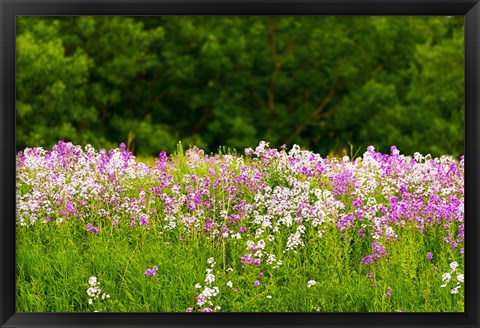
245	163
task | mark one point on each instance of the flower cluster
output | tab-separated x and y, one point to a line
204	299
377	253
447	278
94	292
275	202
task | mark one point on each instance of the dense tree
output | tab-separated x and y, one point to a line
322	82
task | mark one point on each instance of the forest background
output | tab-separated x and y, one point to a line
329	84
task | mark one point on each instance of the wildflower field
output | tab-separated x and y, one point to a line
268	230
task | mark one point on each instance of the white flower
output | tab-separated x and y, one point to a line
92	281
269	296
230	284
90	301
460	277
229	269
444	285
454	290
454	266
446	277
209	278
91	291
261	244
198	286
310	283
210	260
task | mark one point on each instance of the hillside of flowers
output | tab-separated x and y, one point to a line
267	230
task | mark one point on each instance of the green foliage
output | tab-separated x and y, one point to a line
320	82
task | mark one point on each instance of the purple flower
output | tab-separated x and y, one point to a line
361	232
429	256
151	272
366	260
144	220
246	259
388	292
93	229
189	310
260	275
200	299
378	250
256	283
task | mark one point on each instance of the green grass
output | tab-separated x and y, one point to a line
54	263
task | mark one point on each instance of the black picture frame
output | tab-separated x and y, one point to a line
9	9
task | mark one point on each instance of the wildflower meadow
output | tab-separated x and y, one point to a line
264	230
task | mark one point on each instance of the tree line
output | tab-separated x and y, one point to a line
326	83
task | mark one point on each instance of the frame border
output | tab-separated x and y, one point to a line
9	9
